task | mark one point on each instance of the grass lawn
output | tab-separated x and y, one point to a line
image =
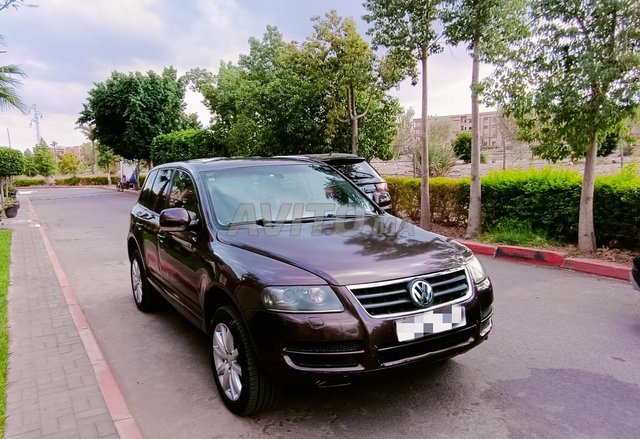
5	245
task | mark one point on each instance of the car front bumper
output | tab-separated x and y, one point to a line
330	347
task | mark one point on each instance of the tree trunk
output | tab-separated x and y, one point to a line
425	204
95	158
474	223
354	134
109	175
586	232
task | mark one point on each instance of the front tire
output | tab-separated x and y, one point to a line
241	385
143	294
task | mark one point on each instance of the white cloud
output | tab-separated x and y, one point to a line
66	45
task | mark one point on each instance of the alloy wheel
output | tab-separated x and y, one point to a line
225	357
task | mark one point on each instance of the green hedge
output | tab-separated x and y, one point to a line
94	180
548	199
22	182
616	211
449	199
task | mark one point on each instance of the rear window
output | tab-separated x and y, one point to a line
355	170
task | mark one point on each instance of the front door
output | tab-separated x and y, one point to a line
181	255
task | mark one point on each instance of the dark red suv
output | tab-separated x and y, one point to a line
295	274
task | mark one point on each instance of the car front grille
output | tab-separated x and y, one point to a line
392	298
429	345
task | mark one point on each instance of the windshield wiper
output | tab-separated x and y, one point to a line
329	216
260	222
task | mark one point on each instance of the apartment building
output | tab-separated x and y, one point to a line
490	134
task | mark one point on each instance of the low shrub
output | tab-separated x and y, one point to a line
548	199
616	209
93	180
449	199
533	204
24	182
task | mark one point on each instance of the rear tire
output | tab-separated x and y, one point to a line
241	385
143	294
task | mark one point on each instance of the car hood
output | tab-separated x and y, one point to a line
348	252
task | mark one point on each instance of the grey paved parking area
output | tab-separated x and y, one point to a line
52	391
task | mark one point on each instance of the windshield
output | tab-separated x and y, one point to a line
283	193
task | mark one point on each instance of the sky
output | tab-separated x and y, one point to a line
66	46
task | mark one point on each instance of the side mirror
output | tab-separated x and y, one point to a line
176	219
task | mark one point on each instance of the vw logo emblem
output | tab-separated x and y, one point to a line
421	293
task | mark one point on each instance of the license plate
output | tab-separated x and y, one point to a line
431	322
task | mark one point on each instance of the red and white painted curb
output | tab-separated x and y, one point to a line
551	258
124	422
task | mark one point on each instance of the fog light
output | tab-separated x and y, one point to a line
485	327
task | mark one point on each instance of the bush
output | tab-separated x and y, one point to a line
531	204
185	145
94	180
449	199
23	182
616	211
11	162
548	199
462	146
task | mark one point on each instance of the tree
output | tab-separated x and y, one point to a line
10	75
106	159
30	169
44	160
404	141
185	145
462	146
69	164
11	163
352	70
280	99
487	27
575	82
441	155
129	110
405	28
8	81
15	4
89	131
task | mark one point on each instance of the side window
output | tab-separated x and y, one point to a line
159	190
183	193
146	196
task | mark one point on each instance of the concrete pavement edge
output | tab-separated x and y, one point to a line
551	258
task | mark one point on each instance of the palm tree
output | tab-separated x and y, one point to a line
8	82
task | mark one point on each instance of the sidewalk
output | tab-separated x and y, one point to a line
52	390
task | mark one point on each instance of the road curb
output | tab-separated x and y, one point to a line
551	258
601	268
545	257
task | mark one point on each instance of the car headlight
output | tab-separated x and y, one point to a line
301	299
477	270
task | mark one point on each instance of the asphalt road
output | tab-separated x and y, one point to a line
563	360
